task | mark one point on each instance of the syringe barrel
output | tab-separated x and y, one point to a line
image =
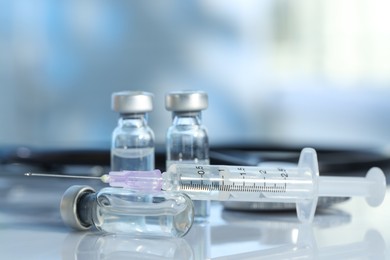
238	183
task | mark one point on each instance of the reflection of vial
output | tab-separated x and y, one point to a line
116	210
132	145
88	245
187	140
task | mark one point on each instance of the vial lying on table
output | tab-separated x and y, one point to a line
117	210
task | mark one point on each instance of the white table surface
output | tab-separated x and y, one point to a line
31	228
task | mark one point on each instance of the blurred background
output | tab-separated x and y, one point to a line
290	73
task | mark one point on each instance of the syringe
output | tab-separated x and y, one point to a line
301	185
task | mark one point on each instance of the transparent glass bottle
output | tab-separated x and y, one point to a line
117	210
187	139
132	145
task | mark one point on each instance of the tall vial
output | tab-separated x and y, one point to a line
187	139
132	146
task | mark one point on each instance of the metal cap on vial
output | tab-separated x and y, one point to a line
183	101
132	102
68	206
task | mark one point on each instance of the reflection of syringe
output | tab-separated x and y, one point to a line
372	246
301	184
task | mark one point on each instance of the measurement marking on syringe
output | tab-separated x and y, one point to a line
240	188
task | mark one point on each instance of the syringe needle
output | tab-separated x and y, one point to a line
140	180
62	176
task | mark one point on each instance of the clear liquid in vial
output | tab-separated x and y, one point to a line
196	161
140	159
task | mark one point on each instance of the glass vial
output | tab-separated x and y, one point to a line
187	139
116	210
132	145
